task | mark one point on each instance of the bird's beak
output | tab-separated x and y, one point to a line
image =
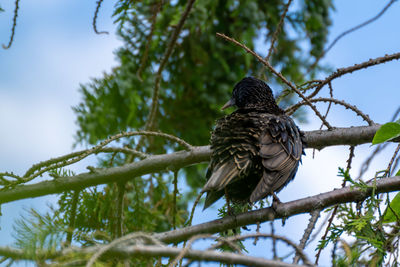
228	104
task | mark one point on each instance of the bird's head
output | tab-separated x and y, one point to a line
251	92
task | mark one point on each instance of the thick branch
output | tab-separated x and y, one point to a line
314	139
282	210
160	251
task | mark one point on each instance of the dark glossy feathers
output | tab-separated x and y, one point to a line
256	151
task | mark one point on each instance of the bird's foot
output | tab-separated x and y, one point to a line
275	201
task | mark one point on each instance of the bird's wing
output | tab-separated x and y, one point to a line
280	150
228	169
233	154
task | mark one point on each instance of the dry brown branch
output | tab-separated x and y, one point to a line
153	21
133	237
310	227
196	202
279	75
96	13
379	148
350	31
14	25
342	71
297	248
388	170
290	110
188	246
278	29
154	102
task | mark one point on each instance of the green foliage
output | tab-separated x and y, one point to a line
147	207
392	211
199	75
36	232
386	132
359	220
202	69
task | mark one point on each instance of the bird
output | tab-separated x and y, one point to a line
256	150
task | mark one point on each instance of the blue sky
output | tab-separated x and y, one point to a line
55	49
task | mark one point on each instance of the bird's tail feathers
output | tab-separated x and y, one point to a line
221	177
212	197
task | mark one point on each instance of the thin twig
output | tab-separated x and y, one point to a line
174	200
364	167
153	21
119	222
96	13
130	237
188	246
290	110
72	217
154	102
189	222
279	75
352	30
278	29
311	225
14	25
342	71
257	231
349	161
274	253
379	148
326	113
277	237
389	167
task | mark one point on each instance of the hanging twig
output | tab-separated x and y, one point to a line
96	13
153	21
154	102
278	29
14	25
351	30
342	71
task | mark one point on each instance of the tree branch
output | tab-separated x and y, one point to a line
342	71
173	161
158	251
282	210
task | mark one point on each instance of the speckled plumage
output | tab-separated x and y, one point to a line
256	150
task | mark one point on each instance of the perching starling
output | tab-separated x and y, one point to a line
255	150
